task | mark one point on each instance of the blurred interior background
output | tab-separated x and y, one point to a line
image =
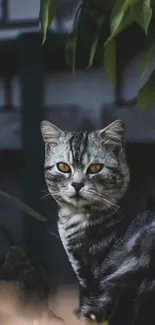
36	84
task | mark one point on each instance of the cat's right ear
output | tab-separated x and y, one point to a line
50	132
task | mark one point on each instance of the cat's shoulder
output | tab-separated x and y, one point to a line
145	217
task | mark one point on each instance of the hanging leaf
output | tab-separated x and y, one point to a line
126	22
141	12
92	52
110	61
43	18
147	59
70	47
22	206
52	6
146	95
95	42
118	16
46	15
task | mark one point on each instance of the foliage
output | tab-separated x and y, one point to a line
24	208
146	95
120	14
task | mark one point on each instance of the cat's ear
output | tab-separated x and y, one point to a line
50	132
113	134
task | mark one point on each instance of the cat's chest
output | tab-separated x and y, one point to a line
73	232
79	236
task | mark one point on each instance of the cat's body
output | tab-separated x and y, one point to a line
107	264
87	174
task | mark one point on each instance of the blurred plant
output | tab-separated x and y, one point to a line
24	208
119	15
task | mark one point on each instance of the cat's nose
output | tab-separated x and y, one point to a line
77	186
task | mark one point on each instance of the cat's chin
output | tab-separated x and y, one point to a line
76	201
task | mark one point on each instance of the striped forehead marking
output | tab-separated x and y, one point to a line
78	145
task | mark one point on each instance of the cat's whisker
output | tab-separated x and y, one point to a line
46	196
105	198
110	203
44	191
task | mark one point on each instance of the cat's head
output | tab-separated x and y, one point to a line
85	168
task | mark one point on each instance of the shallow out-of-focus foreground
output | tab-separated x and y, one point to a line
13	311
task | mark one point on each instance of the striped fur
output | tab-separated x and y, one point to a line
107	258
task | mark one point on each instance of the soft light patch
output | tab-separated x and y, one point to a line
93	317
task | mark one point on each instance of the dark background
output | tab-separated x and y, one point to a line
88	101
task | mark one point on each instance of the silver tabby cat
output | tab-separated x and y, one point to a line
87	174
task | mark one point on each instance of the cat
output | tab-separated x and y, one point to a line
87	174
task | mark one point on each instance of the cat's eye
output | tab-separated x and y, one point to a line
64	168
94	168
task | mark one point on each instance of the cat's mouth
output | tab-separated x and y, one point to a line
77	197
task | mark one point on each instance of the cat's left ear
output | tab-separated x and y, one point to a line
113	134
50	132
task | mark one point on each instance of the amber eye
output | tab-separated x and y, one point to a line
64	168
95	168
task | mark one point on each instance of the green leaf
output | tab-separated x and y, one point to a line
104	323
116	18
43	18
148	56
92	52
70	47
141	13
146	95
52	6
46	15
110	61
126	21
95	42
118	14
22	206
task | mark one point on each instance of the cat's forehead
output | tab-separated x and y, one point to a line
79	147
83	146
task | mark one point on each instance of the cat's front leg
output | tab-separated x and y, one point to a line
98	307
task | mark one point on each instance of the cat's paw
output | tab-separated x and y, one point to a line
98	310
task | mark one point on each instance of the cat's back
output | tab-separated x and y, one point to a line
142	226
141	232
134	253
137	248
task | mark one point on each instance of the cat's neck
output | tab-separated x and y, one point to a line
109	220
